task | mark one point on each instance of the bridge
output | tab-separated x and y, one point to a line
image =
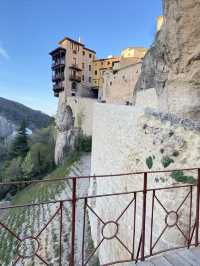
143	243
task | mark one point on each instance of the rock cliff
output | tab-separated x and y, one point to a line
172	65
65	132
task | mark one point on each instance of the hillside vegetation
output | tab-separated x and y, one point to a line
30	220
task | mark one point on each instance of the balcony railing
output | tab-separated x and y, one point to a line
138	213
73	77
75	67
58	77
58	87
58	64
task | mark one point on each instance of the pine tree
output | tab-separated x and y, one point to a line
20	143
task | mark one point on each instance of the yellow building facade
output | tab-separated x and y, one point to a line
160	21
99	67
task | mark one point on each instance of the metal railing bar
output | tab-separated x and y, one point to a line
90	197
190	217
40	258
96	176
83	239
51	219
88	259
182	232
159	237
122	213
121	242
10	231
183	201
61	230
95	214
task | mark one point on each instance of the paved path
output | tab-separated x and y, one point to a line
181	257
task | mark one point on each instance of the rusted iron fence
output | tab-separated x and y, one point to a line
142	248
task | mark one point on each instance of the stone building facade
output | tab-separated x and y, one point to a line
72	68
119	82
100	66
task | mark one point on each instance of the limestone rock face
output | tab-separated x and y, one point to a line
65	136
172	65
6	127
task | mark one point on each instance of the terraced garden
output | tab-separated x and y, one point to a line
30	223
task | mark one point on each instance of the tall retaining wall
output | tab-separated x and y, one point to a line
124	138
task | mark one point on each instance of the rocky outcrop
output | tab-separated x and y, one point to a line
6	128
65	132
172	65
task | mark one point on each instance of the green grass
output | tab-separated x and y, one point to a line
24	221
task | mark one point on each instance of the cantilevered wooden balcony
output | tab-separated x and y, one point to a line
75	67
58	87
75	77
58	77
58	64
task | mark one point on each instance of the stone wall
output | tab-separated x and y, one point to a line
124	137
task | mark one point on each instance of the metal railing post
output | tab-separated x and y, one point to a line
144	216
72	262
197	210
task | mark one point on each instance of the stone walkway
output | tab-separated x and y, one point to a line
182	257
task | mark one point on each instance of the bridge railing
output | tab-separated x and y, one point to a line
55	228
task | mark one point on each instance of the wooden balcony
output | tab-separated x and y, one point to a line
57	88
75	67
58	77
75	78
58	64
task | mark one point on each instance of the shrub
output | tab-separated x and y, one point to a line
83	143
166	161
39	161
149	162
179	176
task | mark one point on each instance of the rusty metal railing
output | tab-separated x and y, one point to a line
144	244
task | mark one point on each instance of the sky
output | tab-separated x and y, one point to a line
30	29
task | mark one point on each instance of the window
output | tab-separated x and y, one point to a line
108	63
95	72
83	52
90	55
90	67
74	86
102	63
83	65
90	79
83	78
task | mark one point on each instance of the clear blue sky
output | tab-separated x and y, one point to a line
30	29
